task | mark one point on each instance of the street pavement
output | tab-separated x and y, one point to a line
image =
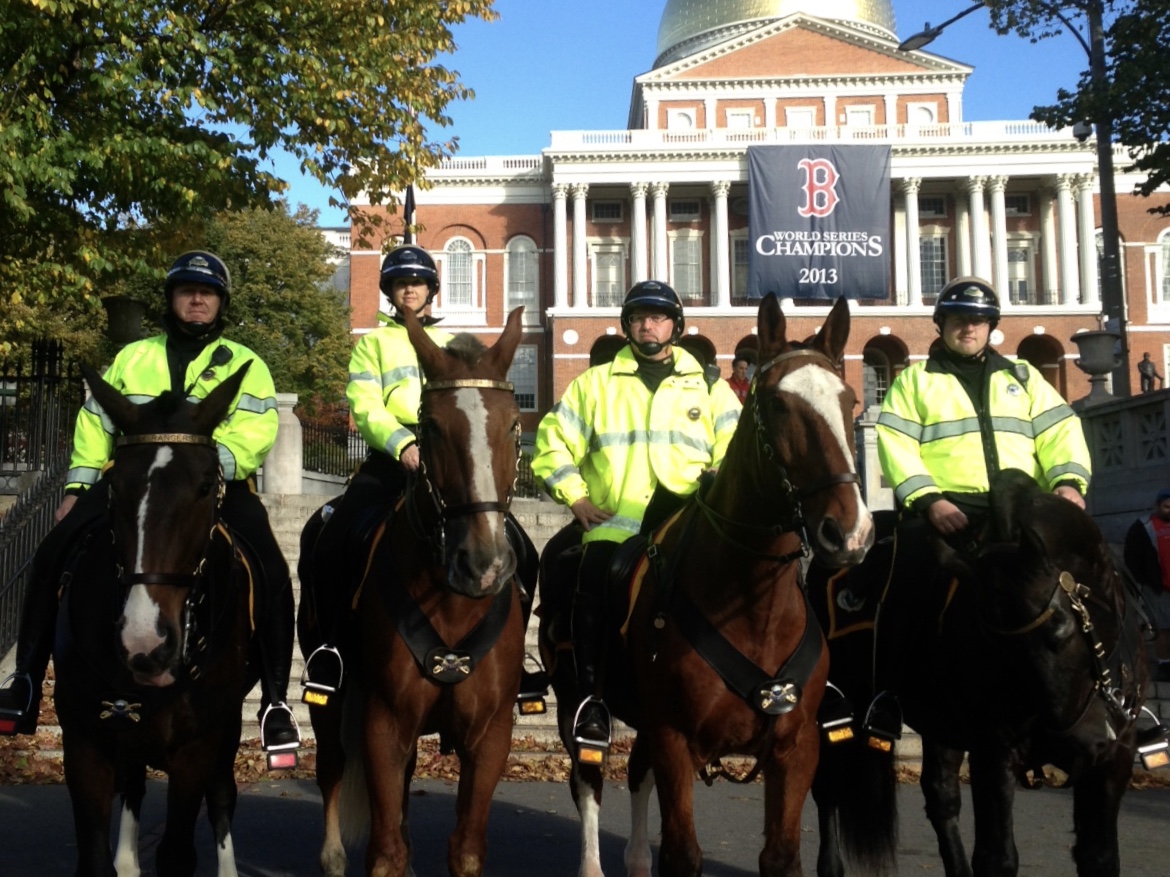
534	831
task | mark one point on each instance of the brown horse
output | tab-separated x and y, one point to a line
153	638
722	654
440	637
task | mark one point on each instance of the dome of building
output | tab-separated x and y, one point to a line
691	25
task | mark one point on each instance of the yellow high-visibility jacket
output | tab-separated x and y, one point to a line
610	440
385	386
931	440
140	372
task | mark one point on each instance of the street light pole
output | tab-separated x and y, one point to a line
1112	295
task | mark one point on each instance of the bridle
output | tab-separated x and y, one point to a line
194	581
442	514
792	515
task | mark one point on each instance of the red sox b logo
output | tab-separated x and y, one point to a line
820	187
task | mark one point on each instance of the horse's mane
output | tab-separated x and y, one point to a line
466	347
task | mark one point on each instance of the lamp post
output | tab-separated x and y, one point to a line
1112	296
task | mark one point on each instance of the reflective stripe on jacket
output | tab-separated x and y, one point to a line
141	373
931	440
610	440
385	386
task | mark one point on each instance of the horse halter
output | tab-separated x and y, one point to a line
443	513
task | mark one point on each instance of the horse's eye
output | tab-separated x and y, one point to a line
206	487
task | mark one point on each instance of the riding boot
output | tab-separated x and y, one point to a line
278	727
330	593
592	722
21	700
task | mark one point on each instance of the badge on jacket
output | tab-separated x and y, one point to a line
694	414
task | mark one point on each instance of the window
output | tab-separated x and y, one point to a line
685	210
859	117
1017	205
521	270
933	252
741	119
921	114
875	376
739	266
932	207
523	375
1021	285
458	279
686	267
1163	266
609	275
678	120
606	211
801	117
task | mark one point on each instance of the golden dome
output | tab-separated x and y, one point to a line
700	23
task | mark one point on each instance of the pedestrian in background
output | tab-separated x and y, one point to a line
740	383
1147	555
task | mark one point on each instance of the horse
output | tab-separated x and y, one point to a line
153	638
1030	661
439	631
722	655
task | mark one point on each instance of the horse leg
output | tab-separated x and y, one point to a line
480	768
407	776
330	769
638	857
126	861
90	778
788	775
388	747
993	787
221	802
187	778
679	855
1096	805
940	788
586	783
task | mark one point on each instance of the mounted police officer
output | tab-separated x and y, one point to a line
190	357
947	424
623	449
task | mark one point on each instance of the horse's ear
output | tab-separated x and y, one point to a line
118	408
773	327
499	357
834	333
214	408
426	348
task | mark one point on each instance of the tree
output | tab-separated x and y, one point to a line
122	120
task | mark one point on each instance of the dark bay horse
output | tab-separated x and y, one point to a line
722	654
153	639
440	638
1035	668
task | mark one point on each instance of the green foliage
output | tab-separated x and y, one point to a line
120	121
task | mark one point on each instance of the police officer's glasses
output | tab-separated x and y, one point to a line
650	319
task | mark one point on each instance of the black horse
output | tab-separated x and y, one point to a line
153	638
1031	661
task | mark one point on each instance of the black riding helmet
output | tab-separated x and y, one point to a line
407	261
652	295
969	297
200	266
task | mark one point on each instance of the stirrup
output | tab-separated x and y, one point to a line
283	755
883	722
533	687
589	749
13	720
1153	743
318	692
835	715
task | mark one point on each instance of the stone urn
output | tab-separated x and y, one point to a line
123	318
1098	360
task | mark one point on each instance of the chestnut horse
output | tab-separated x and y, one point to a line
153	638
722	654
1036	662
440	638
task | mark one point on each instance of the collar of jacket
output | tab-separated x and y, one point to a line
995	362
397	319
626	362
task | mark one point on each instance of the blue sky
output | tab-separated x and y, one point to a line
550	65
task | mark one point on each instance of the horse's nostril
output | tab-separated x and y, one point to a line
831	534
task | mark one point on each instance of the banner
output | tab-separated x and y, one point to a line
819	221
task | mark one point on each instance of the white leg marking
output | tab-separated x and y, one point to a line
226	858
590	813
126	854
638	856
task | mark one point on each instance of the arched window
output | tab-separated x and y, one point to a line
1164	267
875	376
459	277
521	272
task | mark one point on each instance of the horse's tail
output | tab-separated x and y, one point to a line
354	803
863	784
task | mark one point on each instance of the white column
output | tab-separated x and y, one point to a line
580	256
900	251
709	112
652	114
999	261
963	233
830	111
910	186
285	463
661	266
1070	283
722	267
638	231
770	113
1087	237
1049	284
891	101
980	241
955	107
560	246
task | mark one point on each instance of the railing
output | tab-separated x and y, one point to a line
39	397
332	450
